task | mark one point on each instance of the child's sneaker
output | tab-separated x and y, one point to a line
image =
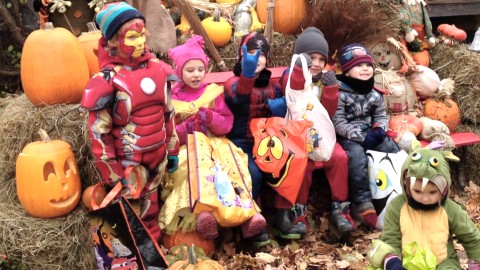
207	225
261	239
367	214
338	218
253	226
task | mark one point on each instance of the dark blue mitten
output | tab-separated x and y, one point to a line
374	138
394	263
249	62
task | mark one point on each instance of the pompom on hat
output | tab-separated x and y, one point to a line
112	16
190	50
311	40
354	54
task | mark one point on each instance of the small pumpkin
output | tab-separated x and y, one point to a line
194	263
89	43
402	123
53	69
180	252
47	178
218	30
189	238
97	192
441	107
451	31
287	15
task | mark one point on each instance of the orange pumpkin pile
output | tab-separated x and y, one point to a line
287	15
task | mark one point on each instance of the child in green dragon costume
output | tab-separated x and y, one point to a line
425	215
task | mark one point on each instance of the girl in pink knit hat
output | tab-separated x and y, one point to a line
201	108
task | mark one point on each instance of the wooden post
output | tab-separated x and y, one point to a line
269	24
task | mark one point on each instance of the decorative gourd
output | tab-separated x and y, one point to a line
53	69
97	192
47	178
452	31
183	26
287	15
441	107
194	263
89	43
256	24
189	238
218	30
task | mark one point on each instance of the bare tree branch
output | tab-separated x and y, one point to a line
15	30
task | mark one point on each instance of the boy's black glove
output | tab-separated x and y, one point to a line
374	138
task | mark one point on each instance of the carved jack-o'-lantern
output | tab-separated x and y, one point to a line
280	151
48	182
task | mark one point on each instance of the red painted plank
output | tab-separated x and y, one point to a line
461	139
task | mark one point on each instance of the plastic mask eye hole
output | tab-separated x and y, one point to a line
416	156
433	161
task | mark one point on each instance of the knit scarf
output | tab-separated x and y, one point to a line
360	86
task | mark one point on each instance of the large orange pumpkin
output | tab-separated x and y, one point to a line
189	238
53	68
444	110
47	178
402	123
89	43
287	15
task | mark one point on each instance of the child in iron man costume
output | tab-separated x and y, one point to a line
130	110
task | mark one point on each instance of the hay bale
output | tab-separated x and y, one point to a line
463	66
19	124
60	243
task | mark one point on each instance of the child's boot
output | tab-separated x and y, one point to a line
207	225
261	239
366	213
253	226
339	217
289	224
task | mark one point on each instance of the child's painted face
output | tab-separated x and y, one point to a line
193	73
132	39
430	195
262	61
362	71
318	63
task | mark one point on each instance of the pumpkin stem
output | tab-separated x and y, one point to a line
48	26
44	136
216	14
192	258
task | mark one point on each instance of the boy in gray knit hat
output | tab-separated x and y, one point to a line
313	45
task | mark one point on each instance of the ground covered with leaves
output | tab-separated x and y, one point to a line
322	249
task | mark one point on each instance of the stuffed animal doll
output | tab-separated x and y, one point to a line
417	30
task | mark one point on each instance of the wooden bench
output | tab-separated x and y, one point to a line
461	139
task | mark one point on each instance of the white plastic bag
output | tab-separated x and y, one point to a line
303	104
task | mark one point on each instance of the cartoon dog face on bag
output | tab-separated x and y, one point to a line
384	171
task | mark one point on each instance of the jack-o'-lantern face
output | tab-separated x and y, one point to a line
280	148
386	56
48	183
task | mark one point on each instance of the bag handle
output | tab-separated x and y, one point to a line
116	190
296	106
306	73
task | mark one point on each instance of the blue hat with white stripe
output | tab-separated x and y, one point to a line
113	16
